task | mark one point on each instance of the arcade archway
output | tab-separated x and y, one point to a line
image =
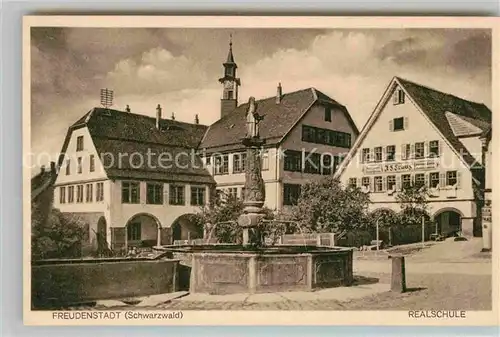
185	228
448	222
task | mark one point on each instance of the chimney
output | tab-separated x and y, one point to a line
173	116
196	119
52	166
279	93
158	116
127	108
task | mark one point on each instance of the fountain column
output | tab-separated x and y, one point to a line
255	193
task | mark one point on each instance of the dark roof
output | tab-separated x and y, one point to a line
436	103
41	181
486	134
230	57
279	119
123	125
117	132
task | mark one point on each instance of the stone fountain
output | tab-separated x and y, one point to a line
254	267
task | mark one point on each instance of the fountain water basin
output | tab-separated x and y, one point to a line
253	267
229	269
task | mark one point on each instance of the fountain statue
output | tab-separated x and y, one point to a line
255	193
252	267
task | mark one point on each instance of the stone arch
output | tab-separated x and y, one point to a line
184	228
142	230
448	221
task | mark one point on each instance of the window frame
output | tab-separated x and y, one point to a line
71	194
131	186
79	193
328	114
419	154
175	198
416	181
393	158
289	191
292	161
377	154
433	154
391	182
91	163
453	178
405	184
79	143
221	164
199	198
62	194
436	174
99	193
397	119
89	192
154	196
378	184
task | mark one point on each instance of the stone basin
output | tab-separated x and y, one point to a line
229	269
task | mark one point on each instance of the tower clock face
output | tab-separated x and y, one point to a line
229	85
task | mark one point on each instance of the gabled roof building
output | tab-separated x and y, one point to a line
422	136
306	133
134	179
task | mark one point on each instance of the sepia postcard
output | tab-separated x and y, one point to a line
260	170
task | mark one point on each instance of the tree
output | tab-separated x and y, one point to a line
58	237
414	204
326	206
223	215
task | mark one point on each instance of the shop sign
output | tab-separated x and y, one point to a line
400	167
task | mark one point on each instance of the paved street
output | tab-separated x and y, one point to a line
447	276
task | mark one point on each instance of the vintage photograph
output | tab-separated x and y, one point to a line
175	169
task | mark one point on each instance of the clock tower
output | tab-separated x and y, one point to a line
230	84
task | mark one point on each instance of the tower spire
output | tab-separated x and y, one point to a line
230	82
230	57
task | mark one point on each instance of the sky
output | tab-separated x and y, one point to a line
179	69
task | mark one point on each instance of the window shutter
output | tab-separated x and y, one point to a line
395	97
439	148
372	184
405	123
384	184
398	183
459	176
403	152
383	153
391	125
412	151
426	149
442	179
358	182
426	180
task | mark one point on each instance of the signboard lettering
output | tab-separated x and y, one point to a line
400	167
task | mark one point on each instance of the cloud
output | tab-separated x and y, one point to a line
158	71
179	68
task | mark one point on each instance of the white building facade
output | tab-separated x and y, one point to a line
125	200
421	136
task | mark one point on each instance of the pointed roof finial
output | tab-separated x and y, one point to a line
230	57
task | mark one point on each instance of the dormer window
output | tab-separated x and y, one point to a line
399	97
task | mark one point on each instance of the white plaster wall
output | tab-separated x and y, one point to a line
419	130
121	213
